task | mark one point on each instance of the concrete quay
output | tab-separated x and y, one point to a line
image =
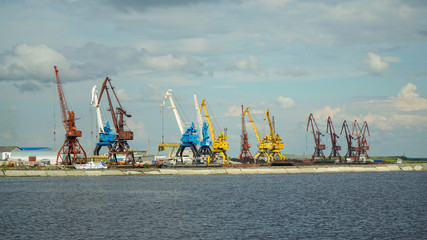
215	170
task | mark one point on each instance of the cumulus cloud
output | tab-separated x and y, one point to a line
29	62
152	93
285	102
408	100
234	111
171	63
325	112
376	64
250	64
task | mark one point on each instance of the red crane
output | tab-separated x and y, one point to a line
334	137
245	154
362	143
71	147
120	146
351	150
318	149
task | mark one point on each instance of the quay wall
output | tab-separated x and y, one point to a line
215	170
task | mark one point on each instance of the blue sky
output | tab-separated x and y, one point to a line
351	60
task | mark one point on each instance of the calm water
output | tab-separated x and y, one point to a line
287	206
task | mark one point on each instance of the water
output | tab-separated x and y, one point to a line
287	206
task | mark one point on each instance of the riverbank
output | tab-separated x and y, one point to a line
215	170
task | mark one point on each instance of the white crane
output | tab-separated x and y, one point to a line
94	102
175	110
199	116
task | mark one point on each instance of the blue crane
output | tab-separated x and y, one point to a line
190	139
106	135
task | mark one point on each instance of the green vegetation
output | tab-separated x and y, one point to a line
393	159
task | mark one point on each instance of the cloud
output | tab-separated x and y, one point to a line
138	128
27	87
234	111
285	102
293	72
152	93
250	64
376	64
324	113
168	63
31	62
407	100
122	95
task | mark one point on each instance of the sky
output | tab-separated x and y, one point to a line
351	60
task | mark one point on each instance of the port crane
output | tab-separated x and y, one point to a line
106	135
71	148
263	145
205	143
334	140
120	146
364	146
318	149
189	137
245	153
275	139
220	143
351	150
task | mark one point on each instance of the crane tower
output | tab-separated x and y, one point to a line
318	149
120	146
71	148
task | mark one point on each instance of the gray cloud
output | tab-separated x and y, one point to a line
27	87
138	5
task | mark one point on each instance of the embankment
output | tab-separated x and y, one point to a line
216	170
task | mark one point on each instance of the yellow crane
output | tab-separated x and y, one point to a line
220	143
275	139
263	145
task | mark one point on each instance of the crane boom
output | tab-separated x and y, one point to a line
252	123
220	143
62	101
175	110
267	115
199	115
120	145
203	106
94	102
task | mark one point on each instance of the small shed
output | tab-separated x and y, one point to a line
6	151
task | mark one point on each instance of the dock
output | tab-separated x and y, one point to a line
213	170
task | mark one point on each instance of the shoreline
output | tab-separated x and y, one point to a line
213	170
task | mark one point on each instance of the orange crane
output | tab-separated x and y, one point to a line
71	148
120	146
245	154
318	149
335	147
